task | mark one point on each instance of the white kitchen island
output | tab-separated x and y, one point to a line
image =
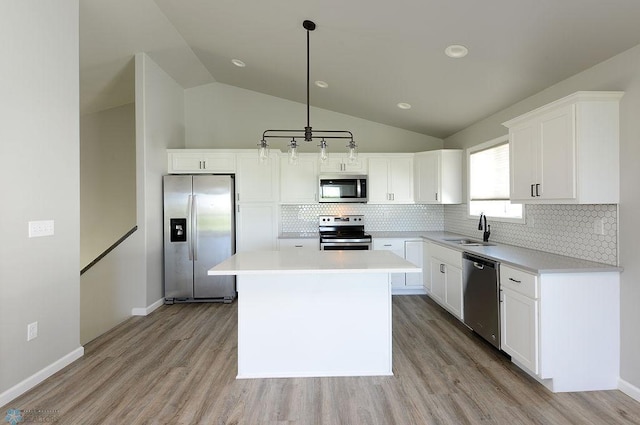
314	313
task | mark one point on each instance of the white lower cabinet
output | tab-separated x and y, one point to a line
519	325
413	253
562	328
411	250
519	307
299	243
446	278
398	280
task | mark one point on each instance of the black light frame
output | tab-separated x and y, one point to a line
307	134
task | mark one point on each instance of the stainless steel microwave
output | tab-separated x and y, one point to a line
342	188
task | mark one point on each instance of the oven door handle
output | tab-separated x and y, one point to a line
346	240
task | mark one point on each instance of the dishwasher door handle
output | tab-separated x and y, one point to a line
478	265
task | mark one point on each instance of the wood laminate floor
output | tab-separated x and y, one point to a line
178	366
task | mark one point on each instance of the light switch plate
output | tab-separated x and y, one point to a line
41	228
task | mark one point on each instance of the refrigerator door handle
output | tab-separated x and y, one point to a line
190	226
194	227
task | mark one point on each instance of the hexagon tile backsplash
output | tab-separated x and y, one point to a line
378	218
571	230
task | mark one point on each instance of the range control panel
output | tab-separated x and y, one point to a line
341	220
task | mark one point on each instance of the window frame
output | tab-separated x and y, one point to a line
480	147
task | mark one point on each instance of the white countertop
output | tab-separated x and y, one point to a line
523	258
307	261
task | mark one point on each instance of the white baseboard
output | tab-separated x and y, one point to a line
411	290
40	376
629	389
147	310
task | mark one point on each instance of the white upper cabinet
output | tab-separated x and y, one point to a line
391	179
257	181
191	161
567	151
339	163
438	177
299	181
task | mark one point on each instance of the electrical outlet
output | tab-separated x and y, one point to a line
41	228
598	226
32	331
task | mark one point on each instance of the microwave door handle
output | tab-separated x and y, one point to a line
359	188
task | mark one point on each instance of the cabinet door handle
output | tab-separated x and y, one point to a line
513	280
204	165
298	246
238	197
441	268
387	244
538	189
532	195
436	196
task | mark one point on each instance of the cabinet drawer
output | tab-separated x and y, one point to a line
388	244
311	244
446	255
519	281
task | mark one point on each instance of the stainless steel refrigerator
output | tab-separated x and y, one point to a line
199	232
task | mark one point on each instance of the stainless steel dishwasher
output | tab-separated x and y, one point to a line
482	297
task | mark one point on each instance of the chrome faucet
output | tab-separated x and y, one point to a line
486	230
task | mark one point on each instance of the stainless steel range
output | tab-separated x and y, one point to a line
343	232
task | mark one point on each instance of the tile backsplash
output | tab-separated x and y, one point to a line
379	218
561	229
570	230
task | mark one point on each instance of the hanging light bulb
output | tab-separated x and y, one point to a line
323	151
293	152
263	151
353	151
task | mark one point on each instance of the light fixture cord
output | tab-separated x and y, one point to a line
307	132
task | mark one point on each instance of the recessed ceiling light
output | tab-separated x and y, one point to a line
456	51
403	105
322	84
238	63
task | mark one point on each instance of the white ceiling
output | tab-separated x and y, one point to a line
372	54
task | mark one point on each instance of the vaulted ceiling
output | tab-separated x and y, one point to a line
373	55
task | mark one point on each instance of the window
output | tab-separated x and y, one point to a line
488	172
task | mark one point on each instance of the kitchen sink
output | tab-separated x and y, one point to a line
468	242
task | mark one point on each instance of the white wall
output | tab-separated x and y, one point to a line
223	116
112	288
159	126
129	280
107	179
621	72
39	148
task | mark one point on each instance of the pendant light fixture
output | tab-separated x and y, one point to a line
307	134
